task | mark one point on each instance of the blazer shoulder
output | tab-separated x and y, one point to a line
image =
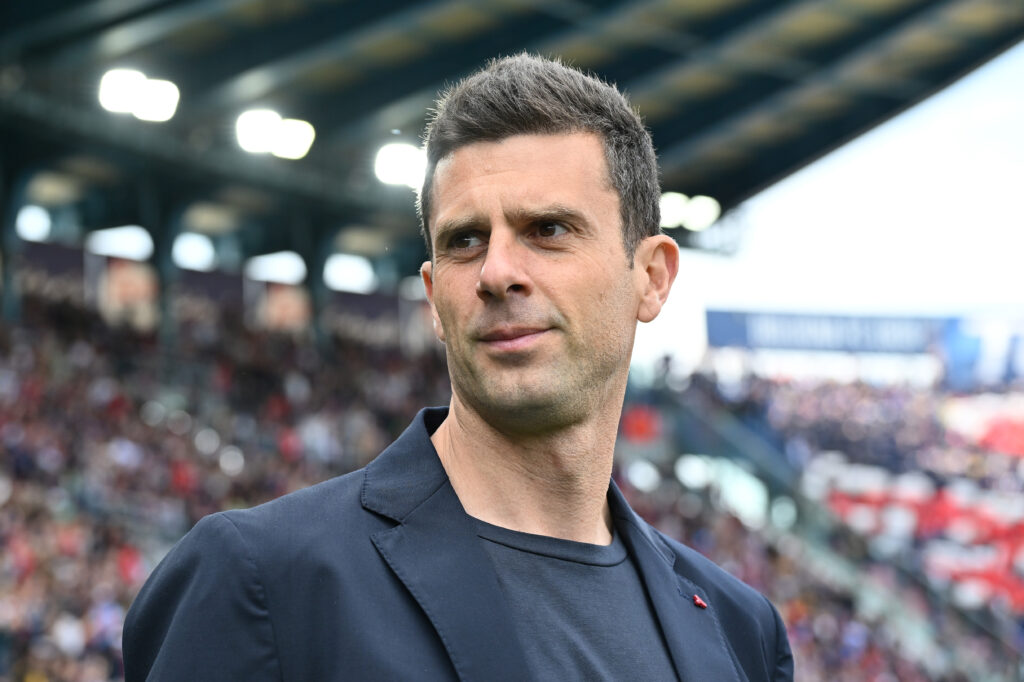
306	510
202	609
323	528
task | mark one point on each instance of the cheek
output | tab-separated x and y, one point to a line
614	305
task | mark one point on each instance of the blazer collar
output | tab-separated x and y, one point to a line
435	552
408	471
693	633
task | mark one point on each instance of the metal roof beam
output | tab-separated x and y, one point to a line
398	114
260	81
331	112
66	22
652	85
901	90
135	34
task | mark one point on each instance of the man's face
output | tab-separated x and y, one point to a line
530	286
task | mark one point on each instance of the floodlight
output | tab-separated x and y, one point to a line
348	272
193	251
400	163
119	89
284	267
33	223
256	130
701	213
156	101
128	241
292	139
673	209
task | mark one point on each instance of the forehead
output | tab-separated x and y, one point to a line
524	170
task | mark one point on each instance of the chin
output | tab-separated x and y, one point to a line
531	410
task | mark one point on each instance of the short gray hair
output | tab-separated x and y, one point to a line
525	95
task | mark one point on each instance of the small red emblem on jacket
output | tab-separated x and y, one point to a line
699	602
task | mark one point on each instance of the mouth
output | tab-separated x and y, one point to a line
512	338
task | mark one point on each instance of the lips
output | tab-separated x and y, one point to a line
509	333
512	338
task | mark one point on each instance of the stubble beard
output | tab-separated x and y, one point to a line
535	399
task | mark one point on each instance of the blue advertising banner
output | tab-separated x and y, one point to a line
794	331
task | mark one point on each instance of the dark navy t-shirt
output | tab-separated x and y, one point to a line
581	610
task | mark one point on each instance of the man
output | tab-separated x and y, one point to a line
486	543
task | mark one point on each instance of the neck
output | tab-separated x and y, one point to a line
554	484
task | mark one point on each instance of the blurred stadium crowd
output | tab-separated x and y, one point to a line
926	475
111	447
924	488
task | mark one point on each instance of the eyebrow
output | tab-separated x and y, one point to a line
552	212
460	224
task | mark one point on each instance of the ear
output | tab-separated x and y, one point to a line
656	264
427	272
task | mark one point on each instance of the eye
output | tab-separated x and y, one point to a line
465	240
551	229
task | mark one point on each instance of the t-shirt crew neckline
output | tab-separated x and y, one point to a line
555	548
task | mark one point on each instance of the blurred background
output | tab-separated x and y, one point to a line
208	259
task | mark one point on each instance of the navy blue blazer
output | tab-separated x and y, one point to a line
380	575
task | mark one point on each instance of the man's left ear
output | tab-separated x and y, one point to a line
656	263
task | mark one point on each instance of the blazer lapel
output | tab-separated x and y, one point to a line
434	550
692	633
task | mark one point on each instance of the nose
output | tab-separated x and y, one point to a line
503	270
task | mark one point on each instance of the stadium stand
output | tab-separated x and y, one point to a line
921	497
111	448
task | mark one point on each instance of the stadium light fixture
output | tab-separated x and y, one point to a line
400	163
349	272
33	223
119	89
129	91
701	213
673	209
157	101
694	213
128	241
283	267
194	251
262	131
256	128
293	140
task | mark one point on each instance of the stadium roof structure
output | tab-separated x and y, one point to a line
737	93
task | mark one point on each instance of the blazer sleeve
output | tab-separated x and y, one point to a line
202	614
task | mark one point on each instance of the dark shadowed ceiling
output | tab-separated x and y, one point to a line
737	94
